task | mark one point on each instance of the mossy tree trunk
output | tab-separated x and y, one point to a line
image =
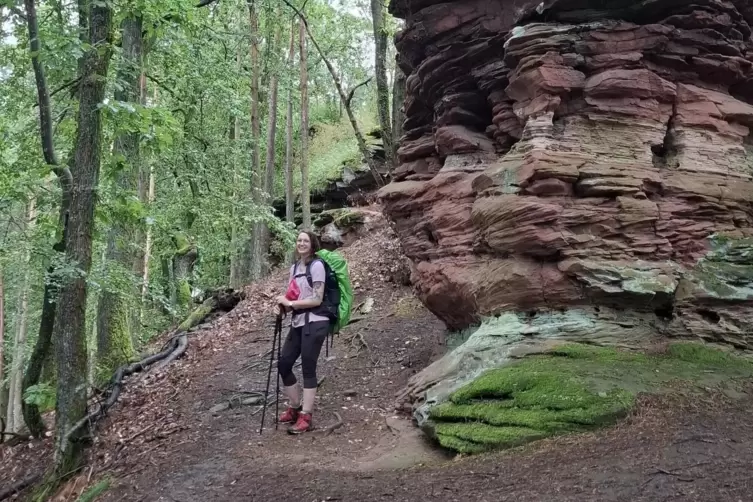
70	336
114	320
383	90
183	262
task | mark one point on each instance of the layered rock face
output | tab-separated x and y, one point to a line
586	171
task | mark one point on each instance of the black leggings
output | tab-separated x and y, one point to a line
308	346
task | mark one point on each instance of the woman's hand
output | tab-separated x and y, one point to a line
281	300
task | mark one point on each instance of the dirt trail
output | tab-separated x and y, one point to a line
162	442
670	449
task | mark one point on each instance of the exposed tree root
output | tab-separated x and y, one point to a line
224	300
19	486
331	428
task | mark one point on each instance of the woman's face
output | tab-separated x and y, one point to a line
303	245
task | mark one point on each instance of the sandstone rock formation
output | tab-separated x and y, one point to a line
584	171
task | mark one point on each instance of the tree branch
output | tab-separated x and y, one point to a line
353	91
43	97
15	10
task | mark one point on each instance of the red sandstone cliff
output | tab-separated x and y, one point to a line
562	158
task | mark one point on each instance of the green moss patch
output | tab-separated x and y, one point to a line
571	389
342	218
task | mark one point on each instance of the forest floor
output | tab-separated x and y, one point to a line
163	441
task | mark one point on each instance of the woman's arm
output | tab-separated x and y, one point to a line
308	303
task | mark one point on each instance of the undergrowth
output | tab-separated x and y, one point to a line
570	389
332	148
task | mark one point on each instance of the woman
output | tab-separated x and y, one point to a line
308	331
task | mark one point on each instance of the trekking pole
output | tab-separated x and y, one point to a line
278	329
278	323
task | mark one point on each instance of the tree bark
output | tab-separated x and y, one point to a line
70	339
3	395
140	264
383	90
398	114
305	191
41	352
373	166
237	257
14	421
289	196
257	180
269	168
114	320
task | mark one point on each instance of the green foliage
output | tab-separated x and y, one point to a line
95	491
571	388
42	395
197	73
333	148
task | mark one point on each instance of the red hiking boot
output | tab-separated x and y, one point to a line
290	415
302	425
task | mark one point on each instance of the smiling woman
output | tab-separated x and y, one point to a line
308	331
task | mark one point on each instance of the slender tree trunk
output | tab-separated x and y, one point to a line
140	265
147	246
3	388
41	354
256	257
70	339
398	115
237	258
383	90
289	196
269	168
305	192
15	390
114	319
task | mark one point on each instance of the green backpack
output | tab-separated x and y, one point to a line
338	292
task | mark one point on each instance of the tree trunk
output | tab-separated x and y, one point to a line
70	336
114	318
269	168
140	265
41	354
398	114
237	257
383	90
289	196
373	166
305	192
257	180
146	257
3	388
14	421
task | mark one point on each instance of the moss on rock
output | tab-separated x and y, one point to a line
342	218
570	389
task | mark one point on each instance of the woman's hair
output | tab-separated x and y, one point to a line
315	245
